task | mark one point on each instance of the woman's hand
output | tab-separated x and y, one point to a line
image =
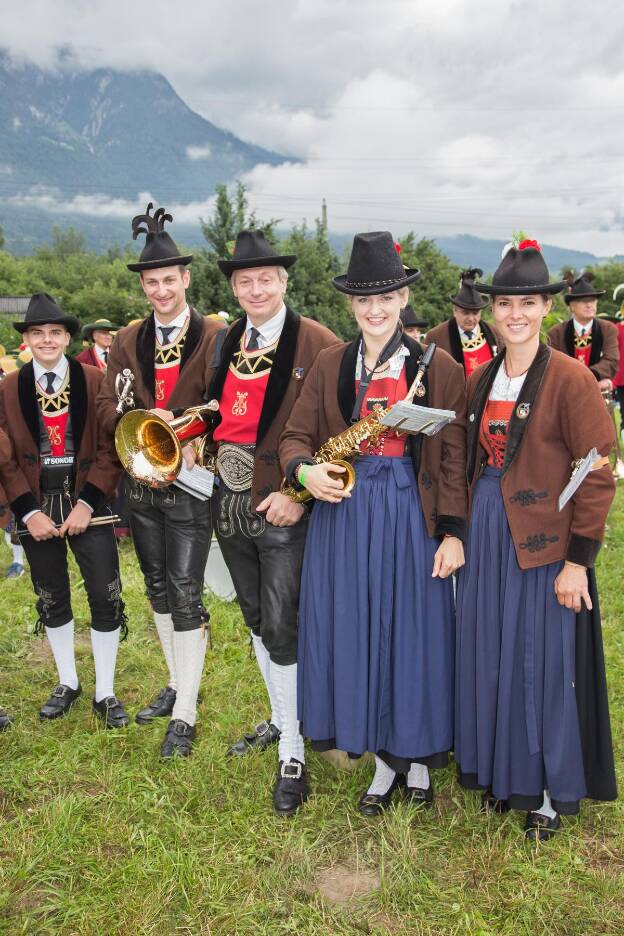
571	587
449	557
319	483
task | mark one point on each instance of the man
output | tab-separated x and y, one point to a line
466	338
256	376
101	333
412	325
171	529
60	475
5	516
592	341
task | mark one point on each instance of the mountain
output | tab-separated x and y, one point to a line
111	133
468	251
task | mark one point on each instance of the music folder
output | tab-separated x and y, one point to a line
414	419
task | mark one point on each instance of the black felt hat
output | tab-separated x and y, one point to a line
521	272
43	310
581	288
467	296
160	248
410	320
374	267
252	249
98	325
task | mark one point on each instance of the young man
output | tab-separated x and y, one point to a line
257	375
466	338
590	340
101	333
60	475
171	529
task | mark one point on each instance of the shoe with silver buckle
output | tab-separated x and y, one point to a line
263	735
112	712
6	720
178	741
291	788
60	702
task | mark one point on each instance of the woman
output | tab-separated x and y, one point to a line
524	731
376	625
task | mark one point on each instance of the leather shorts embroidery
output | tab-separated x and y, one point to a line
236	516
235	465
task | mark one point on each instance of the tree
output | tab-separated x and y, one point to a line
2	242
439	278
66	242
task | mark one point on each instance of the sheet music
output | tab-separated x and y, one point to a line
413	419
582	469
199	482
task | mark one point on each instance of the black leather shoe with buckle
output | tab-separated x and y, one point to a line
263	735
491	805
160	707
291	788
60	702
373	804
540	828
179	739
112	712
419	797
5	719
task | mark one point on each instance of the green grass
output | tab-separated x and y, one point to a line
99	837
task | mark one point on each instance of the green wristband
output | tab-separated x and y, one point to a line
301	474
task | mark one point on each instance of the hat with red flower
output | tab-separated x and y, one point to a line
521	272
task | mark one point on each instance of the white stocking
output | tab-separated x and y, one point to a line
383	779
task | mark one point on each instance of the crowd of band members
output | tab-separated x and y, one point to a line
360	638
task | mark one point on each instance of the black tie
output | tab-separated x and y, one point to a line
165	332
469	335
105	356
50	376
252	341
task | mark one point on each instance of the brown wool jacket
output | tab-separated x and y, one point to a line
604	360
566	418
5	458
446	336
300	342
134	348
325	406
97	468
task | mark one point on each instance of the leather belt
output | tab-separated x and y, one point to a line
235	465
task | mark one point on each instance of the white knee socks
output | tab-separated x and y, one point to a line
283	680
546	809
164	626
190	650
16	549
418	776
383	779
62	643
264	664
104	645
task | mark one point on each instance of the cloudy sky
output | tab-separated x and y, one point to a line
445	116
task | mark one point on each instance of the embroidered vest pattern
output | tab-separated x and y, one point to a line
54	409
167	359
243	394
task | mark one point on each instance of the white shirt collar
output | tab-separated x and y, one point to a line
395	363
579	329
269	330
178	321
100	351
475	331
60	369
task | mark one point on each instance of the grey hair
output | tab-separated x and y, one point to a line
282	274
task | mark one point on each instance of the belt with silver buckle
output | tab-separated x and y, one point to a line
235	465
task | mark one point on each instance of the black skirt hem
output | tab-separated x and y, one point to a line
521	801
399	764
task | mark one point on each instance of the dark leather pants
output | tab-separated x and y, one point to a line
265	564
172	532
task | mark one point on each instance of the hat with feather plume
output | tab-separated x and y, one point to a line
160	248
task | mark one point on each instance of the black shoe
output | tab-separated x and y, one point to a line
263	735
291	788
179	739
419	797
5	719
491	805
373	804
160	707
540	828
112	712
60	702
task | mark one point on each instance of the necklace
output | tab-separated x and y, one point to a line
505	387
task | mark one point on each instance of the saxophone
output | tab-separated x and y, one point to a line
346	445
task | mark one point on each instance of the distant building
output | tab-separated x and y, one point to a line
14	306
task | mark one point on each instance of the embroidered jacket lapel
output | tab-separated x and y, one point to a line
476	409
78	402
568	337
345	390
145	352
193	336
528	395
596	345
455	341
28	400
281	373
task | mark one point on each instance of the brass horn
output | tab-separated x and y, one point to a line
150	449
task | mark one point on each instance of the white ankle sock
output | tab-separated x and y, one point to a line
104	645
264	665
383	779
164	626
418	776
546	809
283	680
18	554
62	644
190	651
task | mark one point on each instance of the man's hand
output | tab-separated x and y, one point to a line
605	384
77	522
41	527
449	557
189	453
321	485
165	414
571	587
280	510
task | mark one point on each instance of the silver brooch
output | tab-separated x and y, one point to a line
523	410
420	390
471	418
298	373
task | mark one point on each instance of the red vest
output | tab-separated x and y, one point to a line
582	347
476	351
243	393
384	392
167	360
55	413
494	425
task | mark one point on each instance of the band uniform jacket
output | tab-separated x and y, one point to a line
134	348
446	336
325	406
97	468
88	356
5	458
605	355
299	344
559	416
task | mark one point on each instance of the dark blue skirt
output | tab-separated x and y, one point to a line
376	631
516	720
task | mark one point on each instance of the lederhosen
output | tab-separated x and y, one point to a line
95	550
264	560
171	529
